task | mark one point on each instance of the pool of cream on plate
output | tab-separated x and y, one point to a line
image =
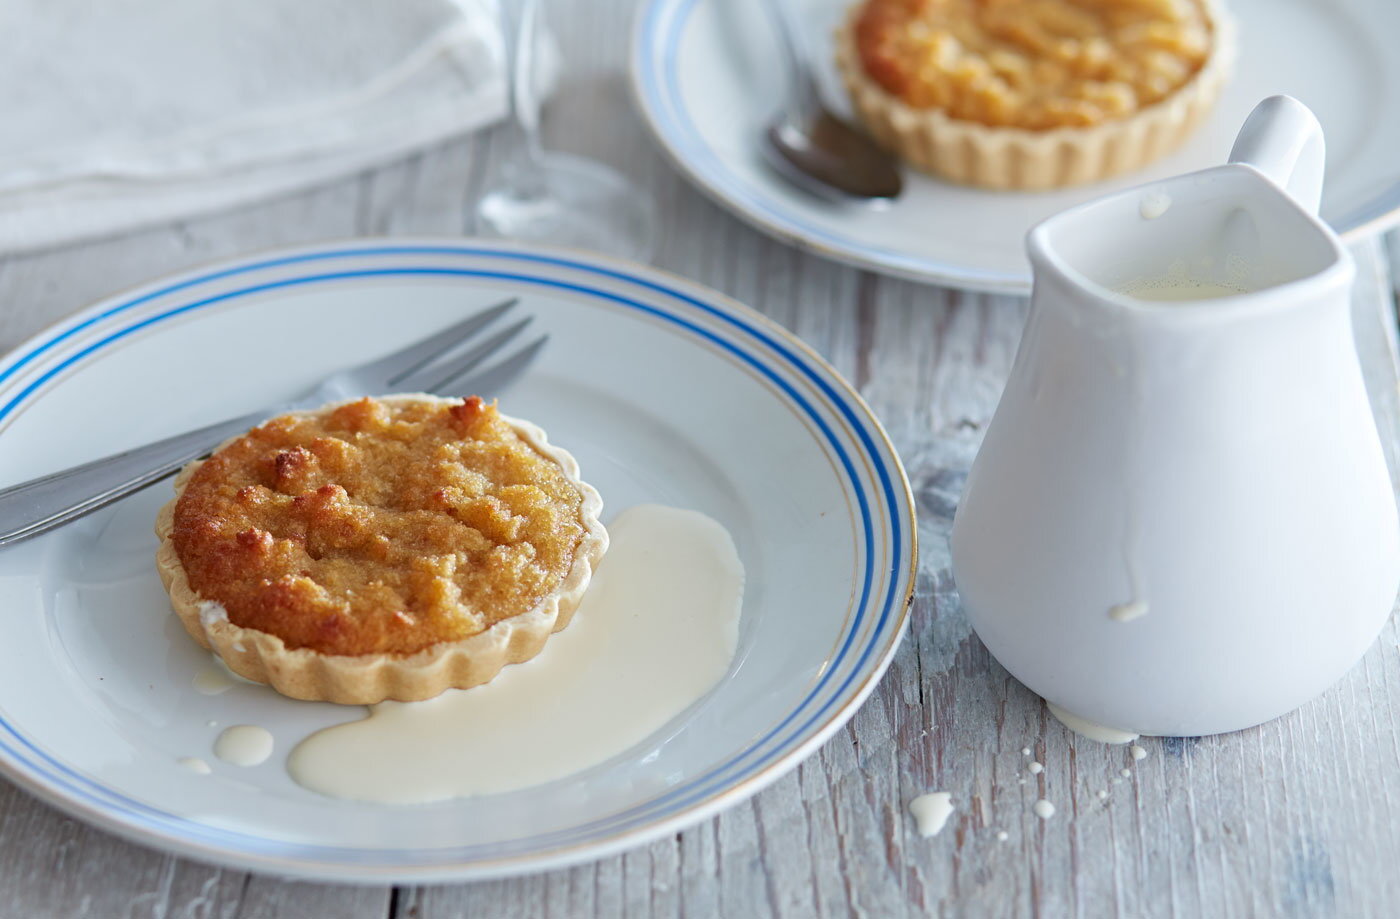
656	630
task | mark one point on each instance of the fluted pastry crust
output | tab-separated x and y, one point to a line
307	673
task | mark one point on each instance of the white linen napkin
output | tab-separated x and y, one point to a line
125	113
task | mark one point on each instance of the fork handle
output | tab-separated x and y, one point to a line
41	504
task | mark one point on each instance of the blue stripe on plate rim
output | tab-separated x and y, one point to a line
72	787
655	80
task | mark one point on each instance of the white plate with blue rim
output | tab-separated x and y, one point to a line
706	79
665	391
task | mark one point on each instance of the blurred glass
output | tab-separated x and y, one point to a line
543	196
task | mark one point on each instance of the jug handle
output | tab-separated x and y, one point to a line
1282	139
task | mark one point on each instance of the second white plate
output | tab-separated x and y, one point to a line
706	81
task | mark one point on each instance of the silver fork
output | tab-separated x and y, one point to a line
431	365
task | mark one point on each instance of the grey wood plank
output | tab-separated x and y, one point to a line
1391	255
425	194
52	865
1373	317
43	287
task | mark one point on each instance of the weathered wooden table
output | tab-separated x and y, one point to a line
1300	817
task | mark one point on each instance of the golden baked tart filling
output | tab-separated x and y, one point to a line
1033	94
1033	64
381	529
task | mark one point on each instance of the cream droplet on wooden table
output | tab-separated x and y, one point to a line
931	812
662	611
1044	809
244	745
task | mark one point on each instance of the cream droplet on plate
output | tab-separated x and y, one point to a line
1127	612
216	677
1089	729
194	764
931	812
578	702
1154	204
244	745
212	680
1044	809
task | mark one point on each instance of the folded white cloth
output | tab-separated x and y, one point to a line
125	113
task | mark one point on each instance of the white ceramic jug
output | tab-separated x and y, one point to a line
1180	521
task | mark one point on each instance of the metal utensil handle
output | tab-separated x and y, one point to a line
42	504
803	92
